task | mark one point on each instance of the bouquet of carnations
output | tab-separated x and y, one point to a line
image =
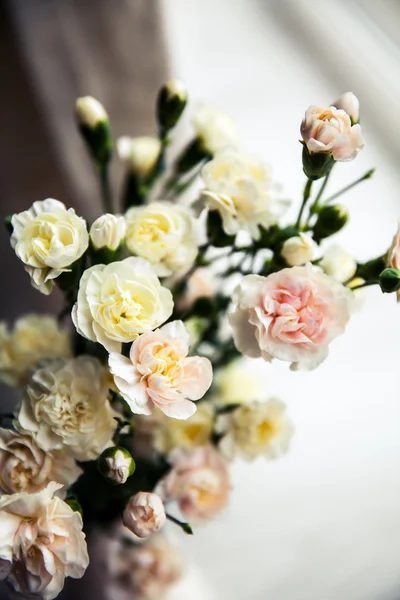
129	415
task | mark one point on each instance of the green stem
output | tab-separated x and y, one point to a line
105	189
363	285
314	205
366	176
186	527
306	196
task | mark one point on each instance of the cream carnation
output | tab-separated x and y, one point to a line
330	130
139	154
108	231
195	431
255	429
41	543
144	514
24	467
159	372
239	187
298	250
291	315
119	301
215	129
338	263
66	407
238	383
33	338
199	482
163	234
48	238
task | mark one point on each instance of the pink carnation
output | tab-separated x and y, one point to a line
291	315
393	255
159	372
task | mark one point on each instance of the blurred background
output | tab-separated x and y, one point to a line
323	522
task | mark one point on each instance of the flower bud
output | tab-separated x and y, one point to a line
108	231
171	102
139	154
298	250
144	514
215	233
116	464
331	219
316	164
95	128
350	104
389	280
338	263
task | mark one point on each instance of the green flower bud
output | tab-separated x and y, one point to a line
331	219
389	280
316	164
171	102
215	233
192	155
95	129
116	465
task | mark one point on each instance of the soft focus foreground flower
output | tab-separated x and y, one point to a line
33	338
298	250
144	571
24	467
144	514
108	231
350	104
198	481
195	431
119	301
48	238
291	315
239	187
238	383
66	407
41	543
393	255
215	129
163	234
139	154
338	263
330	130
90	112
255	429
158	371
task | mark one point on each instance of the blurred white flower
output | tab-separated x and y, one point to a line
215	129
48	238
239	187
144	514
238	383
108	231
195	431
66	407
350	104
24	467
338	263
298	250
90	112
135	302
41	543
139	154
33	338
163	234
255	429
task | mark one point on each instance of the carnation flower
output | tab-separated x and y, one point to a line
239	187
48	238
140	154
292	315
330	130
238	383
393	255
338	263
33	338
162	233
144	514
41	543
195	431
24	467
215	129
255	429
66	407
108	231
199	482
119	301
159	372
